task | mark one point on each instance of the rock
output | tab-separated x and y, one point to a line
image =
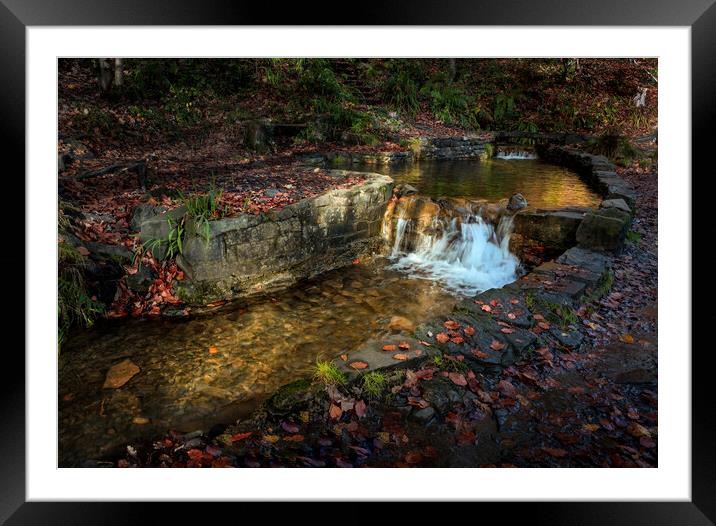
158	228
163	191
406	189
118	253
555	229
141	280
272	192
253	254
423	416
399	323
604	229
570	339
258	135
619	204
119	374
142	213
517	202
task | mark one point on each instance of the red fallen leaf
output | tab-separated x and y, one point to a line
221	462
414	457
477	353
506	388
400	356
240	436
441	337
312	462
195	454
538	317
457	378
418	402
360	408
404	345
425	343
356	261
451	325
469	331
390	348
358	365
507	330
289	427
344	357
514	301
543	325
511	315
335	412
122	463
555	451
179	276
213	350
293	438
494	303
457	339
418	352
486	308
466	438
83	251
497	345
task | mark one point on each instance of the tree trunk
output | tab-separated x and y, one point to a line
118	77
105	75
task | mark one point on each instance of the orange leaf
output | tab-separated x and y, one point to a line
404	345
240	436
497	345
335	412
470	331
442	337
293	438
344	357
213	350
486	308
457	378
390	348
451	324
400	356
457	339
358	365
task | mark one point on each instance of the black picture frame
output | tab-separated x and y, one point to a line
699	15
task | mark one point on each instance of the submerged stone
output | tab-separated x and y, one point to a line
119	374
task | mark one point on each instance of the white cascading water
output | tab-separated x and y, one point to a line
467	255
515	155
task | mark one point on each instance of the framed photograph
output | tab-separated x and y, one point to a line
439	243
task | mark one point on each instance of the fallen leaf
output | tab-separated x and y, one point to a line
497	345
358	365
627	338
293	438
400	356
507	330
390	348
414	457
638	430
511	315
271	439
555	452
335	412
240	436
344	357
83	251
486	308
213	350
457	378
457	339
590	428
477	353
289	427
442	337
543	325
360	408
469	331
451	325
404	345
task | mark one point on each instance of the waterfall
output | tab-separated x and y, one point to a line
458	247
515	155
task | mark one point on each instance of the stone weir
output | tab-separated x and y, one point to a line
252	254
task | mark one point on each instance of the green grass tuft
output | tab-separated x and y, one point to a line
328	373
374	384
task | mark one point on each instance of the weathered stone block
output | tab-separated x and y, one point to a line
604	229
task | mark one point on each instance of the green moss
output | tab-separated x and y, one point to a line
632	236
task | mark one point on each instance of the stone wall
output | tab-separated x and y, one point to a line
252	254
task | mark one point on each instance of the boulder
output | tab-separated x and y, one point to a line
141	280
603	229
619	204
142	213
554	229
517	202
399	323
